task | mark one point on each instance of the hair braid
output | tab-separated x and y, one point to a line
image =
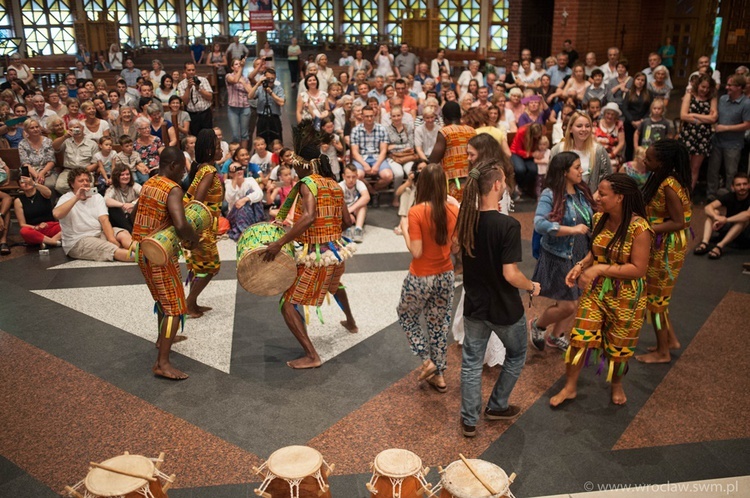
480	182
674	160
632	204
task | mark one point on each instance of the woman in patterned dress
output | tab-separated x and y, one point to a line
698	113
450	149
611	310
667	198
205	186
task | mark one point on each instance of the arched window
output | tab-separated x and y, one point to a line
203	20
360	21
317	20
116	10
460	27
158	20
48	26
397	10
499	26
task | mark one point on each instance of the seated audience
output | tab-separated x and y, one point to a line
356	198
729	216
33	210
121	197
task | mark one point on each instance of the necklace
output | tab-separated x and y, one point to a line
583	212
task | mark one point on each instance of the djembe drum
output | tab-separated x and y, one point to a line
296	472
264	278
398	474
160	247
126	476
474	478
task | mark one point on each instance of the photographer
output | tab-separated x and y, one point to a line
197	95
271	98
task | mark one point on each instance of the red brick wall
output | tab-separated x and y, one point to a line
515	13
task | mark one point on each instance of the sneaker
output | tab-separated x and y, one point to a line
349	233
468	430
508	414
558	342
537	335
357	235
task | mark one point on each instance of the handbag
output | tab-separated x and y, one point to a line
404	156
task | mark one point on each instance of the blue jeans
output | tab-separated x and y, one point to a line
477	334
526	171
239	120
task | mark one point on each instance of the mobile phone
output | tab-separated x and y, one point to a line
267	59
90	192
279	183
25	171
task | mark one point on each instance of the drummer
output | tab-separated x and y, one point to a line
319	218
159	206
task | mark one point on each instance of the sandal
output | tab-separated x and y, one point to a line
4	249
701	249
428	370
715	253
433	384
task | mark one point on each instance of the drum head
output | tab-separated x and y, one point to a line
265	278
459	481
154	252
104	483
295	462
397	463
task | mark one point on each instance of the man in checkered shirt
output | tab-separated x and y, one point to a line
369	143
197	95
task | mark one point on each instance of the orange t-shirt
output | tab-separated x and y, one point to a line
435	259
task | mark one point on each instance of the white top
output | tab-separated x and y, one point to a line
465	78
156	78
115	60
425	138
609	73
351	195
585	163
267	53
383	65
249	189
83	220
95	136
263	162
130	195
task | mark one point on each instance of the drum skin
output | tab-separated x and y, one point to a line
410	488
308	488
260	277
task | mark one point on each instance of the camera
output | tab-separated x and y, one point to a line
268	59
196	81
266	84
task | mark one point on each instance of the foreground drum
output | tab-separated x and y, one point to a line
295	472
161	246
261	277
398	474
127	476
458	480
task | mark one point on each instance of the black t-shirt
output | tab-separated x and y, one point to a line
734	205
36	209
488	295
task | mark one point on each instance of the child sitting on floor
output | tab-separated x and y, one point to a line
280	191
636	169
356	198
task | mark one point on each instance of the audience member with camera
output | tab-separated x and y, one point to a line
271	98
197	96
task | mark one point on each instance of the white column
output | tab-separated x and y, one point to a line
485	14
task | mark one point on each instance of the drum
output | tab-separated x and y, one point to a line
458	481
262	277
295	472
127	476
398	474
161	246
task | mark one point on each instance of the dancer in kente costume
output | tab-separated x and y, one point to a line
612	308
667	198
159	206
205	186
319	217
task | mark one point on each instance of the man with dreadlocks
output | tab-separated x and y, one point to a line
667	198
319	217
490	250
611	310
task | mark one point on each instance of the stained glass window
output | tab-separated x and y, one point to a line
283	18
48	26
398	10
459	29
239	22
6	27
158	20
499	26
116	10
203	20
360	21
317	20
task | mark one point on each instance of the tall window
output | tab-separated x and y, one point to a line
158	19
360	22
116	10
499	26
48	26
460	27
283	18
398	9
239	22
6	26
203	20
317	20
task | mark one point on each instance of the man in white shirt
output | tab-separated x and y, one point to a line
236	50
40	111
609	68
705	62
84	219
197	95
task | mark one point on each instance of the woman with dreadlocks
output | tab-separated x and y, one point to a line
490	250
205	186
611	310
667	198
319	217
563	218
428	287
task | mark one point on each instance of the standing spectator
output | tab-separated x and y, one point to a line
270	101
654	61
698	113
383	62
130	74
579	138
439	64
400	145
293	51
115	57
596	90
667	53
34	214
654	127
635	108
609	68
238	89
23	72
467	76
197	96
704	64
660	87
728	139
266	53
570	52
237	50
197	50
406	62
609	131
369	146
619	86
360	64
562	70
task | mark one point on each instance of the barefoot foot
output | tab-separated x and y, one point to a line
305	362
618	394
167	371
351	327
564	395
203	309
672	346
194	313
654	358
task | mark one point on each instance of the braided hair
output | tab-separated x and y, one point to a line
674	160
632	204
480	182
205	149
555	181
